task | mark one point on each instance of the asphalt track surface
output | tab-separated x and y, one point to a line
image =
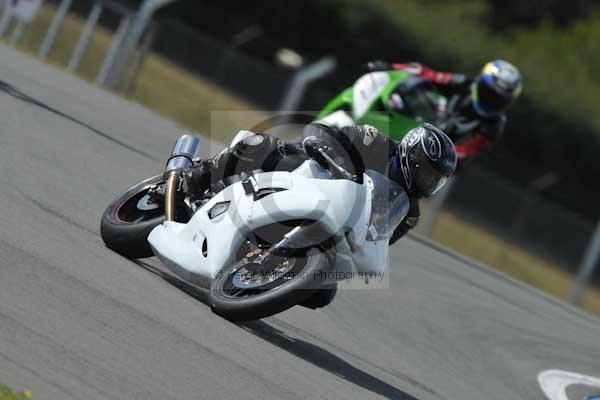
77	321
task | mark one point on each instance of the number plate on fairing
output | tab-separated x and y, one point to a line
366	91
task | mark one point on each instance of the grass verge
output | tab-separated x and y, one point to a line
475	242
7	393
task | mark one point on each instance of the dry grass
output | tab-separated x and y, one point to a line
475	242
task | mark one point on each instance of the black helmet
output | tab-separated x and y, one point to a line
424	160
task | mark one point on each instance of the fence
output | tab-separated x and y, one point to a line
92	46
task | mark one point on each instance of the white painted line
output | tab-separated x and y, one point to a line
554	382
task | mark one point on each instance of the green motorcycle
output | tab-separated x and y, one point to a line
392	101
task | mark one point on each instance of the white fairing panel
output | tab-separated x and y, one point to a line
180	246
198	250
337	119
367	90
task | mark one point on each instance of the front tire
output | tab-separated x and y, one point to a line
278	295
125	227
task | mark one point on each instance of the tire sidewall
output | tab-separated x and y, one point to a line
274	300
129	239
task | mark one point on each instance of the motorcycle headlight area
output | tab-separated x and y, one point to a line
218	209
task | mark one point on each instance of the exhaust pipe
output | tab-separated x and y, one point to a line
186	148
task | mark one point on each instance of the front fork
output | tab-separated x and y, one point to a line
185	150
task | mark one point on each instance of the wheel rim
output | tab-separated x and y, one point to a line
257	277
249	279
139	207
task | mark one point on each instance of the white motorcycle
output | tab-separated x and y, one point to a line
268	240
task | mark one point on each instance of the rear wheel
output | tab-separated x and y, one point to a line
128	220
249	291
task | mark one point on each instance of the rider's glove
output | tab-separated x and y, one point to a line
378	65
403	228
313	147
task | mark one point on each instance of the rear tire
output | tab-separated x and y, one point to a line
129	237
276	298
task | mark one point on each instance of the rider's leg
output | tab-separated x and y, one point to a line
251	153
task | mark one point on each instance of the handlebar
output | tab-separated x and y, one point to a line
336	168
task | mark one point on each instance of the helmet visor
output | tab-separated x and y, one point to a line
490	100
427	179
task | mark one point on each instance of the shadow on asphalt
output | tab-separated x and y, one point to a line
309	352
324	360
18	94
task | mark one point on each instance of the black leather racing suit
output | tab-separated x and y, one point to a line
366	149
357	148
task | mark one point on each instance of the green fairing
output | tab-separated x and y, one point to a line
393	124
343	101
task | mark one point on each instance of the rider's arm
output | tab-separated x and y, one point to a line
360	146
436	77
410	221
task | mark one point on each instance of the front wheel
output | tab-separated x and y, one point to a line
248	291
128	220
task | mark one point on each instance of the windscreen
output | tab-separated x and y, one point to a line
389	205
